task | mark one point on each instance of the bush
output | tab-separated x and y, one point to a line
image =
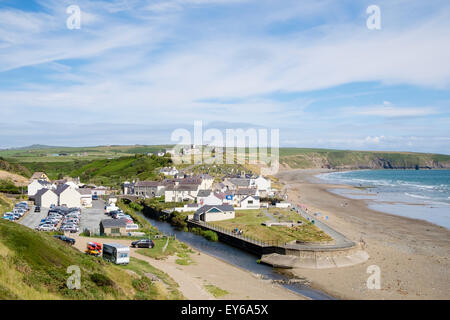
210	235
101	280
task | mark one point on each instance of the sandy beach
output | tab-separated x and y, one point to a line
240	284
413	255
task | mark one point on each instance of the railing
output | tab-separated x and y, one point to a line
250	239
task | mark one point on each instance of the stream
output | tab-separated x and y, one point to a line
239	258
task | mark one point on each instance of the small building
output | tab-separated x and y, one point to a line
39	176
86	197
181	192
67	196
113	227
207	197
36	185
214	213
149	189
45	198
250	202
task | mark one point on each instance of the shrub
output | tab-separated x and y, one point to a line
210	235
101	280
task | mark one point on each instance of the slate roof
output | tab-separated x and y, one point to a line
113	223
203	193
246	191
222	207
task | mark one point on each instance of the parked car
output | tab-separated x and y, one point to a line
143	243
46	227
37	209
65	239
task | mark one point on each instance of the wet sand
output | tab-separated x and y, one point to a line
413	255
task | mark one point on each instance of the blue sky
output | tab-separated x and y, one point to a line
137	70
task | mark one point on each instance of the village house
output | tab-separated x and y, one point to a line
113	227
45	198
85	197
207	181
242	193
36	185
207	197
250	202
181	192
149	189
169	171
68	196
214	213
39	176
236	183
263	185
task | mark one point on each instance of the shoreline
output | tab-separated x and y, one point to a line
413	255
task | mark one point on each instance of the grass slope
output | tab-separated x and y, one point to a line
108	171
34	265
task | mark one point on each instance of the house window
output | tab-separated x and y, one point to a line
250	201
115	230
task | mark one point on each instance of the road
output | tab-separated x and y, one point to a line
340	241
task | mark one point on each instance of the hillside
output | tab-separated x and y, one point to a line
33	265
346	159
110	171
14	168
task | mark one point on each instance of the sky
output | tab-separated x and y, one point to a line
137	70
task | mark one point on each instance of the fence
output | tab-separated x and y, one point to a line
250	239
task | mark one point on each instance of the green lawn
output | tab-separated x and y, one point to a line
161	251
250	221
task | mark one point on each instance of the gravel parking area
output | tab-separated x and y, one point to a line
91	217
32	219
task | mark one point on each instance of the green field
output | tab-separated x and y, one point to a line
250	222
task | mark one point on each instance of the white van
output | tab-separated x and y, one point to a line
116	253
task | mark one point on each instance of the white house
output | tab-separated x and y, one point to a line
39	176
250	202
169	171
85	197
45	198
37	185
207	197
207	181
72	184
214	213
263	185
181	192
68	196
243	193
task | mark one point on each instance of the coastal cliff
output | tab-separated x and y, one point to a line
343	159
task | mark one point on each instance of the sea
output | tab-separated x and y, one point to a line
418	194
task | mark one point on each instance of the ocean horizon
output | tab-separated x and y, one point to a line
417	194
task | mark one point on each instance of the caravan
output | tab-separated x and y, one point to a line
116	253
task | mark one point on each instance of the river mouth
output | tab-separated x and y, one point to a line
239	258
